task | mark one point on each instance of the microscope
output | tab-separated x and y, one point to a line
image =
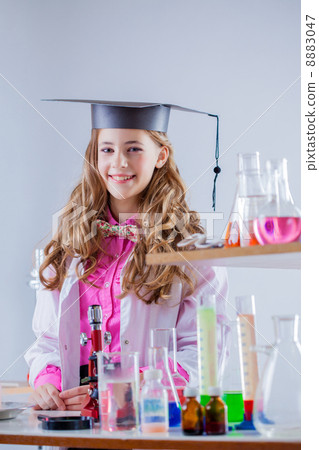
90	406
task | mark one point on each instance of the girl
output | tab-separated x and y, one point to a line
129	202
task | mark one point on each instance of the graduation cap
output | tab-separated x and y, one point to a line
142	116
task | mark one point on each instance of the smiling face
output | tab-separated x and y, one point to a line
126	162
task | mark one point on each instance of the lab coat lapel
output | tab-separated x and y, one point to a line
69	312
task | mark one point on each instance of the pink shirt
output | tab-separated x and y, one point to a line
106	275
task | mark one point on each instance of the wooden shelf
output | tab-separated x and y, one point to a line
280	256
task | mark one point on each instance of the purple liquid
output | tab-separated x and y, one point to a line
277	230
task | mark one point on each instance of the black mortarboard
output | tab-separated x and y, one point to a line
142	116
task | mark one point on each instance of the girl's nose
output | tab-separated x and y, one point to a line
120	160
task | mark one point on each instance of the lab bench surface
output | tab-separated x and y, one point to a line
25	429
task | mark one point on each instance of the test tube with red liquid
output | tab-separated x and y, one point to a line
245	306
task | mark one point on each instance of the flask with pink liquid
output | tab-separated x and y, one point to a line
278	221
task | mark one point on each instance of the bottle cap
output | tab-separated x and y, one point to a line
190	392
214	391
153	374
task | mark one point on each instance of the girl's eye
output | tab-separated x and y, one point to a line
134	149
106	150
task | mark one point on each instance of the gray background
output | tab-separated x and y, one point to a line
231	58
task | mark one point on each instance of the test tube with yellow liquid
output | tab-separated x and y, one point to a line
207	346
245	306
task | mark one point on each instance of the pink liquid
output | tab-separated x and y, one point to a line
154	428
277	230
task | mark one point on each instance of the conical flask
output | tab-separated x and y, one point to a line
278	221
249	197
277	406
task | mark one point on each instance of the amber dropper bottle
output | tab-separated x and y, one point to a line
216	412
192	413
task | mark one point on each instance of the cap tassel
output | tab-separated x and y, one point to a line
217	169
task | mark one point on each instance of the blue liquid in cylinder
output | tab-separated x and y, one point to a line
174	415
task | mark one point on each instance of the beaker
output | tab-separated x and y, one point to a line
278	221
158	359
245	306
277	409
118	390
166	337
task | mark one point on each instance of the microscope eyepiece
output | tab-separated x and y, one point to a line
95	315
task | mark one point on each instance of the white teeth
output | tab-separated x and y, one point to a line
121	178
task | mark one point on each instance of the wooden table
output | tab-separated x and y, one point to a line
26	430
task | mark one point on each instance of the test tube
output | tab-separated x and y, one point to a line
245	306
207	346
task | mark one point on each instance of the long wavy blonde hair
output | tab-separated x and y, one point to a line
162	207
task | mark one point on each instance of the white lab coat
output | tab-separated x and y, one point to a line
56	324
